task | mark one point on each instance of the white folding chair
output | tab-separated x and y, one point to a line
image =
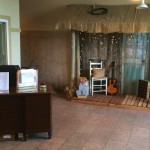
98	81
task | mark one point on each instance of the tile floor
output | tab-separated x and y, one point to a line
89	127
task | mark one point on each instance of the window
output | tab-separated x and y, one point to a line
4	44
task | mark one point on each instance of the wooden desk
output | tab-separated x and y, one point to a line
25	113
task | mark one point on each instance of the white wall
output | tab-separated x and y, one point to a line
9	10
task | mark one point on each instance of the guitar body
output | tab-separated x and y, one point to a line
112	87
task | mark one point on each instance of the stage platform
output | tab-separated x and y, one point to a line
122	101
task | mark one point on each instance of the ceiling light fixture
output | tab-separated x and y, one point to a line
142	5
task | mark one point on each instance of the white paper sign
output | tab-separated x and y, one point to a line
27	77
4	81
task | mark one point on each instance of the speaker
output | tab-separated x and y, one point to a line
144	89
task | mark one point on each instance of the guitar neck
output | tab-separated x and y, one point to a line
113	72
112	65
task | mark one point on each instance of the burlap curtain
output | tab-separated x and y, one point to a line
124	19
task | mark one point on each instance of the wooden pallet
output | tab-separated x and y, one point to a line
122	101
94	100
134	102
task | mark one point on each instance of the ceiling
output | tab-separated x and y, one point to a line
33	12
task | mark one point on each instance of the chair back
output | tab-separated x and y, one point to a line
95	65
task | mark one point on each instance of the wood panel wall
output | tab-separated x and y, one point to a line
51	52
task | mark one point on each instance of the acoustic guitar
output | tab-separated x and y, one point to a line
112	82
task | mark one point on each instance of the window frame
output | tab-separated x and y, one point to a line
7	40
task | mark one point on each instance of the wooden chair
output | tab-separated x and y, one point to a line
98	81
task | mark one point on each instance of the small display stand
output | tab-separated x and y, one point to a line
27	80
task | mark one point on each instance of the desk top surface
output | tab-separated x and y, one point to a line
14	91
